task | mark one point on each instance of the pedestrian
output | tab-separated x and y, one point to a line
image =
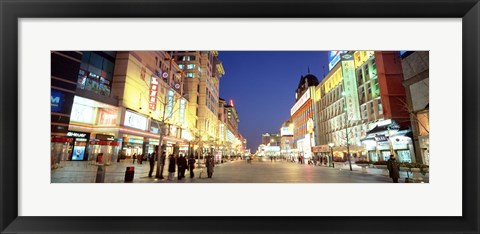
151	159
393	168
171	166
191	165
210	164
162	164
134	158
182	165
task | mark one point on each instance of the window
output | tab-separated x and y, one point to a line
95	74
190	75
380	107
180	66
190	66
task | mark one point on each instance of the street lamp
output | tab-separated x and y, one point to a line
331	155
344	94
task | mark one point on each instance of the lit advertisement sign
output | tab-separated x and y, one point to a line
334	58
182	111
170	103
300	102
286	131
82	114
135	120
153	93
56	100
350	86
107	117
78	153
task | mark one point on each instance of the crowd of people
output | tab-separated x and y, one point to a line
179	164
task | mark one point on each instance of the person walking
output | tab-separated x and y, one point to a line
210	164
151	160
182	165
171	166
134	158
191	165
393	168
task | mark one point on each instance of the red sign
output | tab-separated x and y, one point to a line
108	117
112	143
62	139
153	93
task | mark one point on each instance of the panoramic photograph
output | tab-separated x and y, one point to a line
240	116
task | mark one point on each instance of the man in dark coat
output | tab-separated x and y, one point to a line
393	168
182	166
210	163
191	165
171	166
151	159
162	163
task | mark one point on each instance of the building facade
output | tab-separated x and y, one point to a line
107	105
303	116
360	107
416	81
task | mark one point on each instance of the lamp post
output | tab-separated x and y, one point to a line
331	155
344	94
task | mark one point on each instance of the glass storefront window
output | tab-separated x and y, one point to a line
404	156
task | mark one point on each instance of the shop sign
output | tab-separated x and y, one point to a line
320	148
305	97
62	139
105	137
56	100
350	87
286	131
153	93
77	134
108	117
379	138
135	120
135	141
170	103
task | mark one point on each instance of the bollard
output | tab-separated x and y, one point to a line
129	173
100	178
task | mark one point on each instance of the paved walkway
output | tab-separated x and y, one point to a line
231	172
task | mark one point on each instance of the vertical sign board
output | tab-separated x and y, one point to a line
170	103
153	93
182	111
350	87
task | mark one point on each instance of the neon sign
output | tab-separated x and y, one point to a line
153	93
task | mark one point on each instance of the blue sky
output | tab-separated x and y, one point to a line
262	86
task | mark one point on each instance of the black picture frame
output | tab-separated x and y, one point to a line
11	11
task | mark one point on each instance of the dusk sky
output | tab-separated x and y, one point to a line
262	86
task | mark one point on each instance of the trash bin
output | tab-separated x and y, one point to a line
129	174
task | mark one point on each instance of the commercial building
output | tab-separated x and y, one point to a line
303	116
360	107
203	71
415	66
286	139
107	106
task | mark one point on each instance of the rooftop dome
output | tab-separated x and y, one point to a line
309	80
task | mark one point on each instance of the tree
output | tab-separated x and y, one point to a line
169	108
